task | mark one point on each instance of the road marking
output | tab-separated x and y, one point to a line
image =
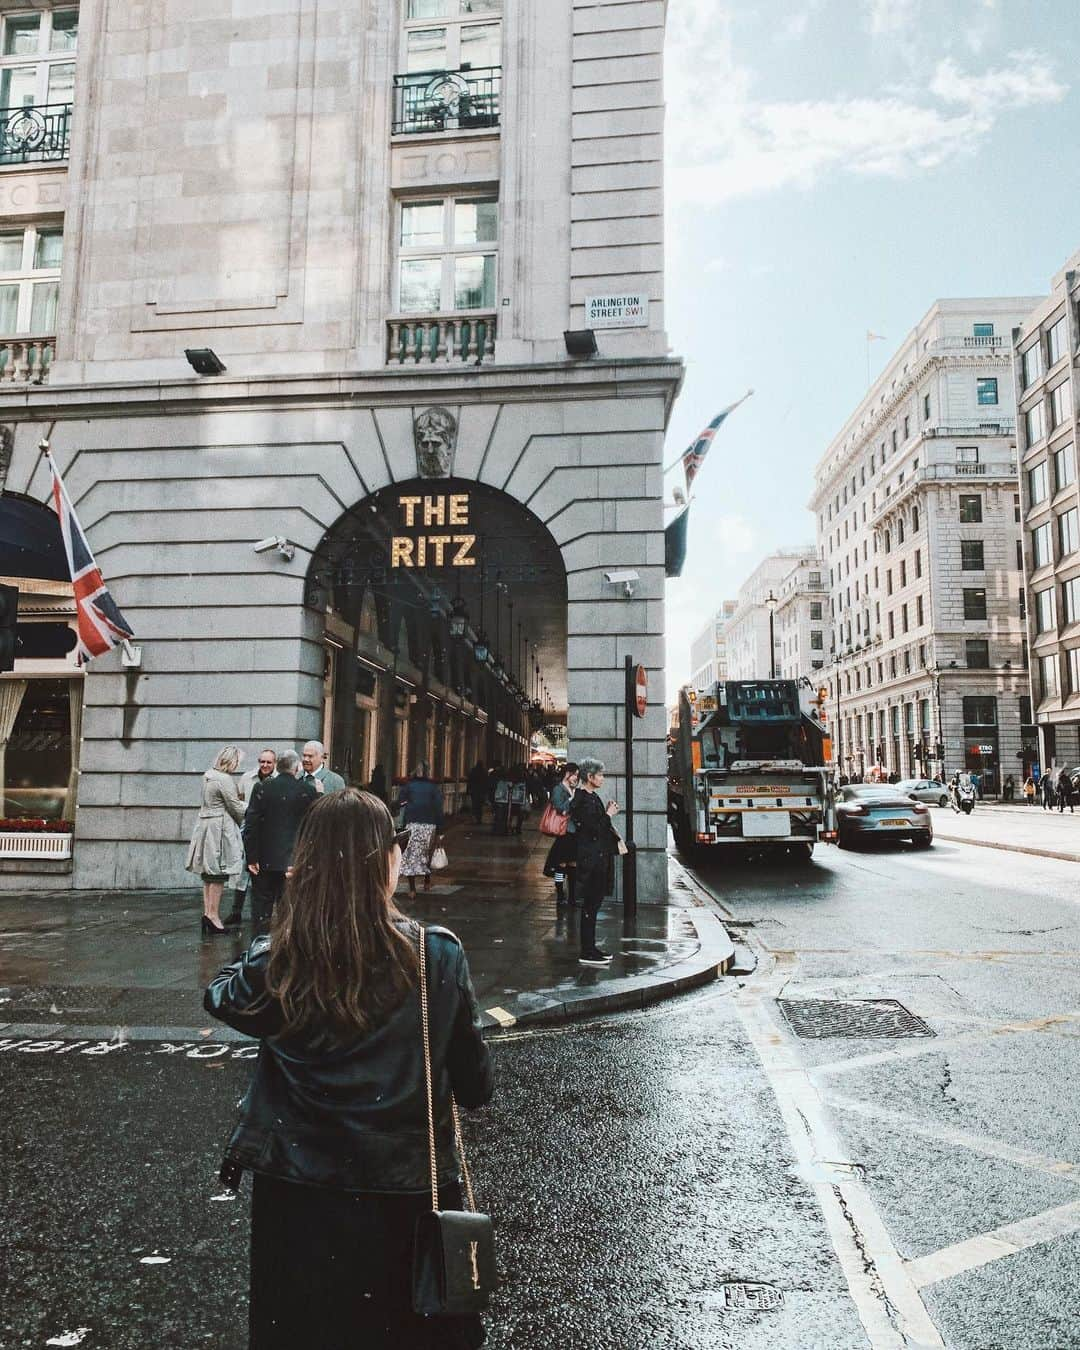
504	1018
885	1297
999	1242
948	1134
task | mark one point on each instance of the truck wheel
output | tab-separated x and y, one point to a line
804	852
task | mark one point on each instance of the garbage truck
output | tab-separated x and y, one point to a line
750	767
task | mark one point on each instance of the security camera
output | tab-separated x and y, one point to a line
273	541
624	575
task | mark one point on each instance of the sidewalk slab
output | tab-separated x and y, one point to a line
1014	829
84	965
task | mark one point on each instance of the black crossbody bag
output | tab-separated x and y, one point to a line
454	1250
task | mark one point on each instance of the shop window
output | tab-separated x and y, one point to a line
37	763
447	255
30	279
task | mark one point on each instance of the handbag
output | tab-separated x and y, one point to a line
439	860
453	1270
553	822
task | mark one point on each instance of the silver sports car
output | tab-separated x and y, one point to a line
878	811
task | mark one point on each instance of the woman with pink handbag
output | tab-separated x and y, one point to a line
561	864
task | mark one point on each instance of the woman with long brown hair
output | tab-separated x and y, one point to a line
334	1125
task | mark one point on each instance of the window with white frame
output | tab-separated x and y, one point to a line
1064	467
460	40
1070	599
37	58
1042	551
1057	342
447	255
1034	423
1048	676
30	279
1045	621
1060	404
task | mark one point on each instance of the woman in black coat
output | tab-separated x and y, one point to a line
597	844
334	1124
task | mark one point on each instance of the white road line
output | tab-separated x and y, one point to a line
504	1018
887	1300
992	1246
948	1134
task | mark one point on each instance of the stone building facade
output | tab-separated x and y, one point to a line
918	514
708	651
747	634
380	221
800	620
1045	349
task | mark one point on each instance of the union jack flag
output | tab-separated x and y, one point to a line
694	458
100	623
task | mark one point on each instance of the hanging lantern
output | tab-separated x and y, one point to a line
481	650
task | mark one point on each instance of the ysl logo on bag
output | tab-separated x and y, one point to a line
473	1247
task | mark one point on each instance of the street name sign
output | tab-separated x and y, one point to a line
622	309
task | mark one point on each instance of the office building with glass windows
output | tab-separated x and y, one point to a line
1045	348
346	325
918	515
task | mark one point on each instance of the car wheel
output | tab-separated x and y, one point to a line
923	840
843	839
943	801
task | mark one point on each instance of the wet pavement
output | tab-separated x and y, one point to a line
1015	827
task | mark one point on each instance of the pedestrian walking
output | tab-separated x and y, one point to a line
476	785
1029	791
1065	793
334	1126
378	784
1009	788
423	817
597	844
561	861
1046	783
519	801
266	767
500	805
216	851
271	825
316	769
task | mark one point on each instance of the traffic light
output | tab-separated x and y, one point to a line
9	614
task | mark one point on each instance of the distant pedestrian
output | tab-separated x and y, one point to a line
378	784
561	861
316	769
216	851
1029	790
1065	793
264	769
334	1124
597	844
519	801
422	801
500	819
1009	789
271	824
1046	784
476	785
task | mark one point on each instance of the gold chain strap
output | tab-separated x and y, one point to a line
425	1028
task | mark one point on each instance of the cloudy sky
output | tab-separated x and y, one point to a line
834	166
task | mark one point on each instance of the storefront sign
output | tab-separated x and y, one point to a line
439	541
625	309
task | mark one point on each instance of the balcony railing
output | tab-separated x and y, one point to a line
440	339
447	100
25	360
35	135
970	469
1003	426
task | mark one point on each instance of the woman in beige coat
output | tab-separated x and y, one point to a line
217	849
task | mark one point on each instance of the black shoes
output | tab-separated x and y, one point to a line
595	958
210	929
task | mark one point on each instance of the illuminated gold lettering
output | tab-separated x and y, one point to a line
459	509
464	543
434	510
408	506
401	551
438	543
421	551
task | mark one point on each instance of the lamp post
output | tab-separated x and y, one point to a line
839	728
770	605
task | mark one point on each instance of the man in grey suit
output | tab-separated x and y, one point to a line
316	769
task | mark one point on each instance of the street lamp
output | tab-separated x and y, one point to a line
770	604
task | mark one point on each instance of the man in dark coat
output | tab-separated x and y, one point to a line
271	824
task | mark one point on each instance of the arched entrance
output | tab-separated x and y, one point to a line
444	607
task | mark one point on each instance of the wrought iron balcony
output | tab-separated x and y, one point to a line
447	100
25	360
35	135
439	339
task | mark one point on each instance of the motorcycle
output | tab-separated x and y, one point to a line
965	798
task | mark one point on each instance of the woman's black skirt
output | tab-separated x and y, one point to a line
561	854
332	1270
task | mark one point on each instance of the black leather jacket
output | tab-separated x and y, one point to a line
355	1118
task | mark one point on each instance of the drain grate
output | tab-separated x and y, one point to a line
856	1019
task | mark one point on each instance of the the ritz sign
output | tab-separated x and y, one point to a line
442	543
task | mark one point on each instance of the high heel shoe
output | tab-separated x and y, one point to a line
210	929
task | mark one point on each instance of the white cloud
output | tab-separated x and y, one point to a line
725	143
794	26
891	16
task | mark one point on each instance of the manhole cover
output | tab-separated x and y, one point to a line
857	1019
741	1295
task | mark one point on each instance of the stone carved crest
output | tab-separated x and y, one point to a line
435	434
